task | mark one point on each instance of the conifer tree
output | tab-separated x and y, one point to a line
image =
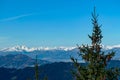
36	70
96	60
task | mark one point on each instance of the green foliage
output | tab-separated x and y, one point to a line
96	68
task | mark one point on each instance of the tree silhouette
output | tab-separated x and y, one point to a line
96	60
36	70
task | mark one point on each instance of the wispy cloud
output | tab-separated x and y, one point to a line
15	17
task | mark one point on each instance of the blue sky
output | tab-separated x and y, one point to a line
56	22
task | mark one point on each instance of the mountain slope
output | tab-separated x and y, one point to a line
61	54
54	71
18	61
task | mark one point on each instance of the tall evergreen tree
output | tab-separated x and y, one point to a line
36	70
96	60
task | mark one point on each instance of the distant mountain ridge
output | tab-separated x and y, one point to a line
49	54
60	54
21	56
28	49
18	61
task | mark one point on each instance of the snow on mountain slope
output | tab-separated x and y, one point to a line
27	49
44	53
54	54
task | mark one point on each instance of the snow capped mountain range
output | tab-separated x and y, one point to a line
56	54
111	47
44	53
19	56
27	49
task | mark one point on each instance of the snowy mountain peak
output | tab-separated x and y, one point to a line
30	49
27	49
18	48
110	47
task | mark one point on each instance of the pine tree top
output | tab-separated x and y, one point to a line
96	68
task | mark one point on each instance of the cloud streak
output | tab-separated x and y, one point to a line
15	17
